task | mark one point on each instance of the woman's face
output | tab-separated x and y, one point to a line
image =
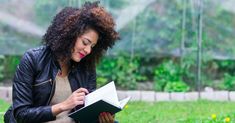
84	44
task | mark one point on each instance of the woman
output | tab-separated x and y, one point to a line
52	80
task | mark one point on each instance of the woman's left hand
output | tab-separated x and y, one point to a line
106	117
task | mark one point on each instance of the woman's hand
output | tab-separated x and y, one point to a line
76	98
106	117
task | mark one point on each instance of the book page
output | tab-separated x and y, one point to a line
124	102
107	92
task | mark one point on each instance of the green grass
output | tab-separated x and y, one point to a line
169	112
176	112
3	107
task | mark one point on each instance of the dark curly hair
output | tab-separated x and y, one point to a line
70	23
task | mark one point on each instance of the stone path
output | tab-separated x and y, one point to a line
151	96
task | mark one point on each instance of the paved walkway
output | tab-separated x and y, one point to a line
151	96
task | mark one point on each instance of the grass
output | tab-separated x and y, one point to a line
177	112
3	107
169	112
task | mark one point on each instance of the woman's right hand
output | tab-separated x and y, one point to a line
76	98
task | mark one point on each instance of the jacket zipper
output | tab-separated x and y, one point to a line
53	89
52	92
50	80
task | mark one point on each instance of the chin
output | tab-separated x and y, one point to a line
76	59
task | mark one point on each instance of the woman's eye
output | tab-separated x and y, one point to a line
85	42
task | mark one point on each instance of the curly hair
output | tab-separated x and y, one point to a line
71	23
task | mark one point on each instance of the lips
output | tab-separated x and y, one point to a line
81	55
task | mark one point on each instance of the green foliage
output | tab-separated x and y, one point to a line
101	81
121	70
156	33
1	67
3	108
177	86
168	78
226	66
164	73
163	36
10	64
229	82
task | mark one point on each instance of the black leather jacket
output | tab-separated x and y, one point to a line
33	86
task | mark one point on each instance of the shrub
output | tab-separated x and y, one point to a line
10	63
177	86
229	82
121	70
167	77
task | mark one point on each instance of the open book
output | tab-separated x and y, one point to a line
104	99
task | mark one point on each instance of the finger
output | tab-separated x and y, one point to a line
79	103
108	114
101	118
82	90
100	121
80	94
80	98
106	117
111	118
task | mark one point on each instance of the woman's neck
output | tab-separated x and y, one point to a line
64	69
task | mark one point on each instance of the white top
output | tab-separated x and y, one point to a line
62	92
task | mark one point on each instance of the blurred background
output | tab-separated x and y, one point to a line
171	46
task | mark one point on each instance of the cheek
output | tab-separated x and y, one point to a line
73	53
76	49
78	46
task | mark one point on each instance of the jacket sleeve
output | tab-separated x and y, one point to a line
24	110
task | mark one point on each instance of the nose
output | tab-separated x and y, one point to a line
87	50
